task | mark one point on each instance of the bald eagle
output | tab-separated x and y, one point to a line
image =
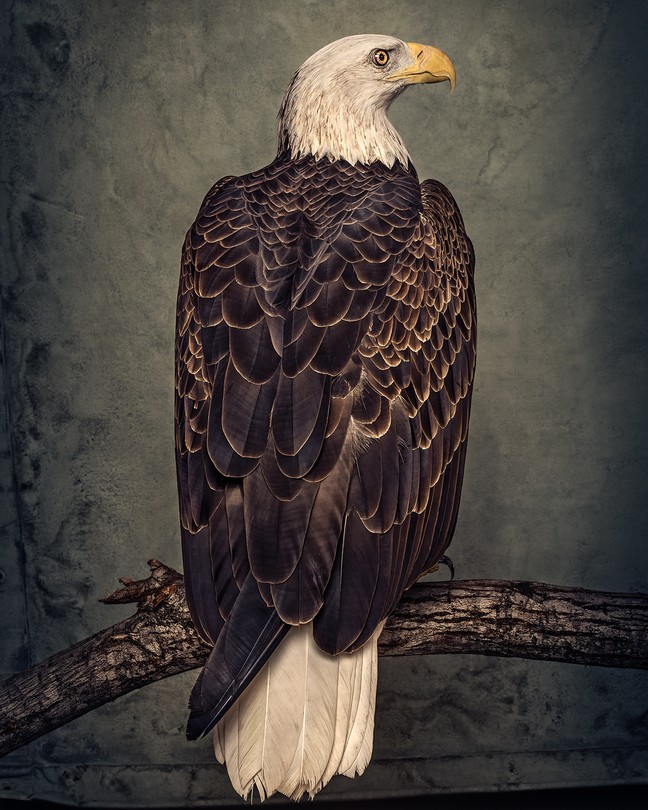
325	357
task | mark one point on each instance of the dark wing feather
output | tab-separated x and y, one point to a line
350	596
248	639
325	355
419	360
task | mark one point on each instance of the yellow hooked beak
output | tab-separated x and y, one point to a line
430	65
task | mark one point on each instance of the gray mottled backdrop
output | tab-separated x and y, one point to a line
117	117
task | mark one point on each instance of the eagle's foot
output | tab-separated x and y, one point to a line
449	564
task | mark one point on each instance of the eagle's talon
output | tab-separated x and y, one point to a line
449	564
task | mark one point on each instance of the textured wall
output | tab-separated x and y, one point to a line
117	118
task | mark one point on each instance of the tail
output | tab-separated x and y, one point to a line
306	717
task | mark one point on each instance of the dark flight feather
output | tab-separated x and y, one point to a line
250	636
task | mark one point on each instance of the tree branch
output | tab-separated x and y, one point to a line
490	617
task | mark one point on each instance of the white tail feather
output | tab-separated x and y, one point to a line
345	710
357	752
306	717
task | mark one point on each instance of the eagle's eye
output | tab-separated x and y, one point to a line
380	57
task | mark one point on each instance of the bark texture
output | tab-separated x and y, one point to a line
489	617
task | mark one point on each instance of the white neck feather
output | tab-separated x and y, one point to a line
326	126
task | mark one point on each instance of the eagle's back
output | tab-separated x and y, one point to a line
325	356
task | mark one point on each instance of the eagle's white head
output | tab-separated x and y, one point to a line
336	105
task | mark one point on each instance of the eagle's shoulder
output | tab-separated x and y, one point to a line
439	205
